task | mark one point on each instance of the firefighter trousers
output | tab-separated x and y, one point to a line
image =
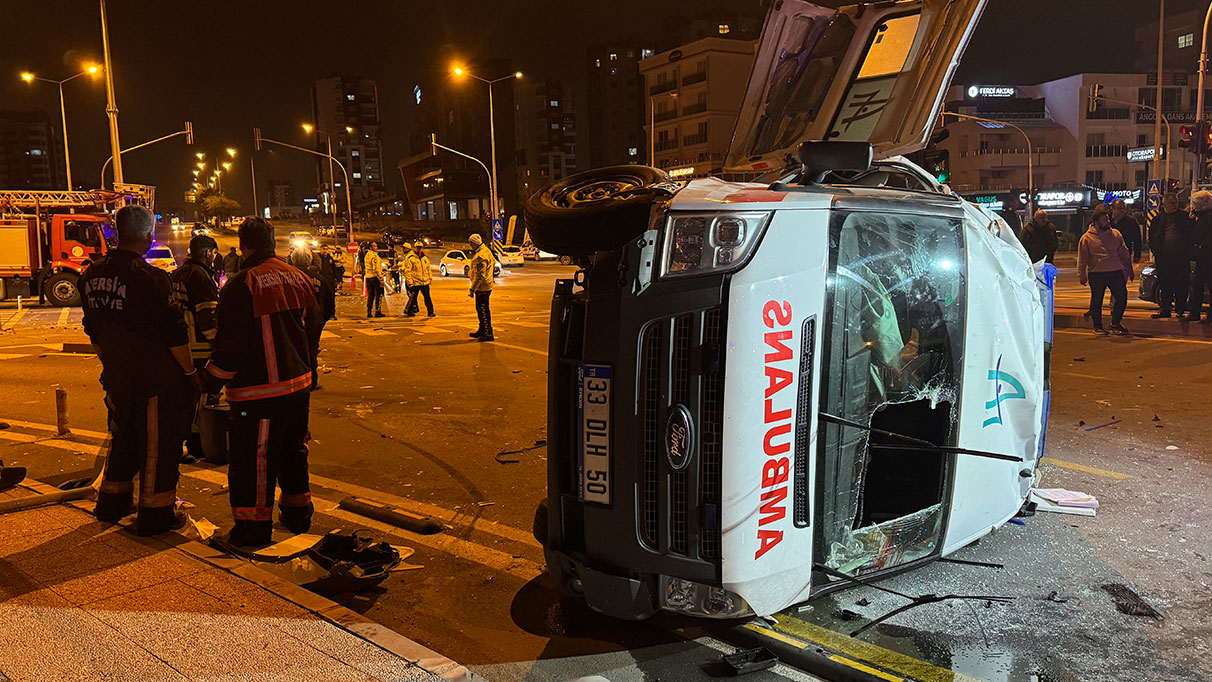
268	449
146	436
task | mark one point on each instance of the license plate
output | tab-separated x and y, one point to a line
593	409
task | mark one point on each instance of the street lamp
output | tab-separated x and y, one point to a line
492	133
231	152
309	128
28	77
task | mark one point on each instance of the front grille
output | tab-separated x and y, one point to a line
680	364
650	410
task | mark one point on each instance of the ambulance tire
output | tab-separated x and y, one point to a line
596	210
540	523
62	289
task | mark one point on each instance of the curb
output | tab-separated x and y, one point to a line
352	622
811	658
340	616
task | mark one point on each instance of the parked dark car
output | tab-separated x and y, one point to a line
396	237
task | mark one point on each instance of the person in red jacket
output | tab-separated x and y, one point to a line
269	320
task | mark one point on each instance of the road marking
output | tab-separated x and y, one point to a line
63	313
51	427
464	549
775	634
865	668
1140	338
1083	376
532	325
329	335
13	356
521	348
68	445
16	317
427	330
1105	473
886	659
375	332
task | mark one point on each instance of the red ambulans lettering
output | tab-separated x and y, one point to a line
777	441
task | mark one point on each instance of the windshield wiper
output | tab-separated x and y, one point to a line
919	444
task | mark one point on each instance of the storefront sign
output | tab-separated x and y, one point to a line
1142	154
681	172
1055	199
975	91
1130	197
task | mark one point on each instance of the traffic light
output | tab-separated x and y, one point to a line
1187	139
257	139
1096	91
189	132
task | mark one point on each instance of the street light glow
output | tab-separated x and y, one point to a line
200	155
231	152
27	77
92	68
226	165
348	129
307	127
517	74
459	71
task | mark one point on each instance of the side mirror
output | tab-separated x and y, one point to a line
819	158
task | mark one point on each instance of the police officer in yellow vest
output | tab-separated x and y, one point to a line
480	272
418	274
372	271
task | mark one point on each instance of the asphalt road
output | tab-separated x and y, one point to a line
414	412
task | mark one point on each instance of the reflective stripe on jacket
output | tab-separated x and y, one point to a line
269	322
481	269
196	295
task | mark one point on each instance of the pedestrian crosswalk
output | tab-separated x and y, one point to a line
43	317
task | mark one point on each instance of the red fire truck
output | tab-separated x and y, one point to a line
48	239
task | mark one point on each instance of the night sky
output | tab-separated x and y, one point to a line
228	66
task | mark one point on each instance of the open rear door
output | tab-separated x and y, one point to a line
874	73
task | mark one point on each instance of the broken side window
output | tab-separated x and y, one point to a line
894	339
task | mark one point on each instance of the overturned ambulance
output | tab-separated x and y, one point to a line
760	391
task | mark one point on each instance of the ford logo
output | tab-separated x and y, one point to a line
679	437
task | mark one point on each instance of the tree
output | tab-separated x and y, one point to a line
219	206
200	199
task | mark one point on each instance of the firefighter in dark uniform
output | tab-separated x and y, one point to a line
268	323
196	295
150	382
309	263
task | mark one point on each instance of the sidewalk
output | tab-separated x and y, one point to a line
1073	300
84	600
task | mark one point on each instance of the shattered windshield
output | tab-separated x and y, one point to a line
895	336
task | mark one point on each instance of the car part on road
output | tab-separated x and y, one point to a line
359	558
596	210
1129	602
749	660
10	477
425	525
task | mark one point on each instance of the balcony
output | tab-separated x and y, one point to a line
1106	150
665	115
662	87
697	138
690	109
1012	157
666	145
691	79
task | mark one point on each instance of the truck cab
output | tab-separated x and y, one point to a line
760	392
44	253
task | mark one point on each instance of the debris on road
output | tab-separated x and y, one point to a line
749	660
504	457
1114	421
1067	498
1171	447
425	525
1129	602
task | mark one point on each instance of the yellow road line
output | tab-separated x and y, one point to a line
374	332
899	663
13	356
1105	473
775	634
488	557
17	316
866	669
63	313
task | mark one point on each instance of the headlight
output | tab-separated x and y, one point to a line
702	600
695	244
315	243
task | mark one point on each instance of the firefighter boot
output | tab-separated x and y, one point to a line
112	507
297	519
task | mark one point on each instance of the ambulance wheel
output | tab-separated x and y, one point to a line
540	523
61	290
596	210
443	269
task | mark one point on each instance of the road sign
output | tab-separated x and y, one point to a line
498	229
1153	192
353	247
